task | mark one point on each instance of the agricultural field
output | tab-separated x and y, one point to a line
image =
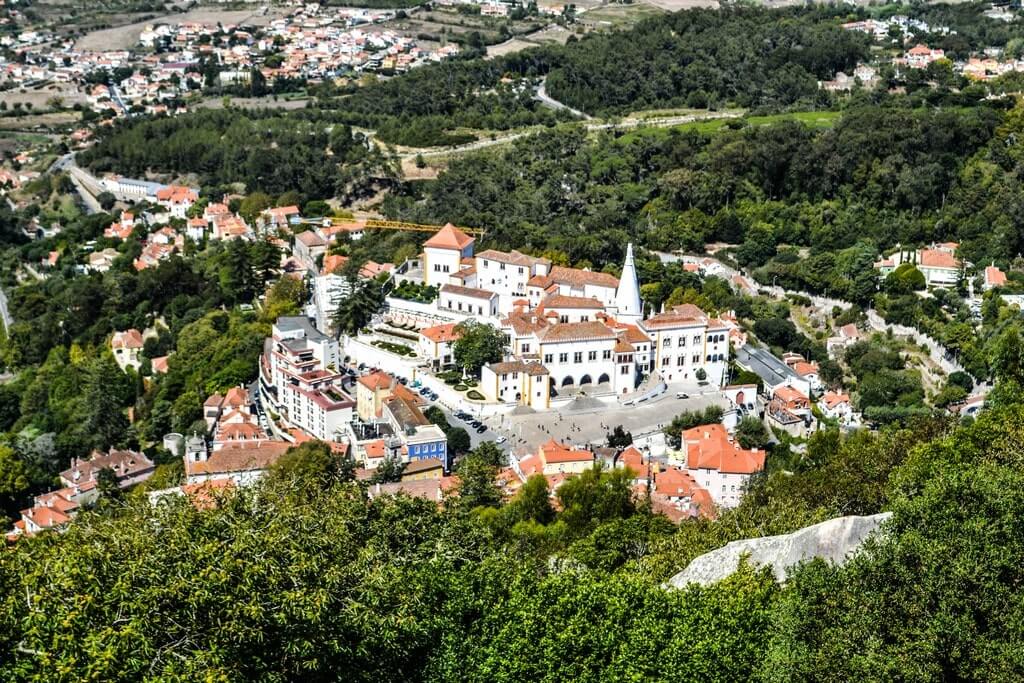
431	28
617	17
126	35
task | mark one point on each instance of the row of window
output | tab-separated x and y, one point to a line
681	360
577	357
469	308
501	266
434	447
712	339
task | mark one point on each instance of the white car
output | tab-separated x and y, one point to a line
500	440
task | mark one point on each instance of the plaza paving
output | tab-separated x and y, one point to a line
583	427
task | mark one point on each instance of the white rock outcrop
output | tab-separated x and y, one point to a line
834	540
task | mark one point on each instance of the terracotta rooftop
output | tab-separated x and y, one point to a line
554	452
937	258
441	333
449	237
831	399
376	381
579	278
994	277
240	458
535	369
471	292
129	339
564	301
789	395
513	257
581	331
709	447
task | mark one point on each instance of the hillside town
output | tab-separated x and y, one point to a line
499	340
581	347
310	43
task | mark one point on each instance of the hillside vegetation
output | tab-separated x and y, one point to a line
301	577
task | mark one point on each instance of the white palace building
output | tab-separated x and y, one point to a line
570	330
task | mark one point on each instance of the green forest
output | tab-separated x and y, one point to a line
302	577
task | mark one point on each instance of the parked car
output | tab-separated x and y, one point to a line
481	429
500	440
424	391
475	423
682	394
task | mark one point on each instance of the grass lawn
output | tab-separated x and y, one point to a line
813	119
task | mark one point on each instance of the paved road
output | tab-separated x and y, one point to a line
62	163
589	427
5	314
624	124
475	439
85	183
938	354
548	101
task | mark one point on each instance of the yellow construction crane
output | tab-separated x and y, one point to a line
374	224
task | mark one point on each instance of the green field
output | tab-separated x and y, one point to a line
812	119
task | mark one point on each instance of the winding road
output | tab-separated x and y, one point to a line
624	124
937	353
548	101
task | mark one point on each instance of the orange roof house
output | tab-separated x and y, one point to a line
554	458
332	263
709	447
441	334
994	277
128	339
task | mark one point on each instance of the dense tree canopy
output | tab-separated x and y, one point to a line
400	589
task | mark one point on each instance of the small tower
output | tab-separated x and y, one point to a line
195	448
627	296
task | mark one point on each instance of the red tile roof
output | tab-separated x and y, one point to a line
994	277
441	333
449	237
129	339
790	395
831	399
333	262
239	458
936	258
377	380
709	447
554	452
582	331
579	278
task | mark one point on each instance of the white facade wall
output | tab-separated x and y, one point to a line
506	280
575	360
679	352
309	416
725	489
469	305
439	264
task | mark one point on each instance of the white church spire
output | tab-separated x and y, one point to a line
627	296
